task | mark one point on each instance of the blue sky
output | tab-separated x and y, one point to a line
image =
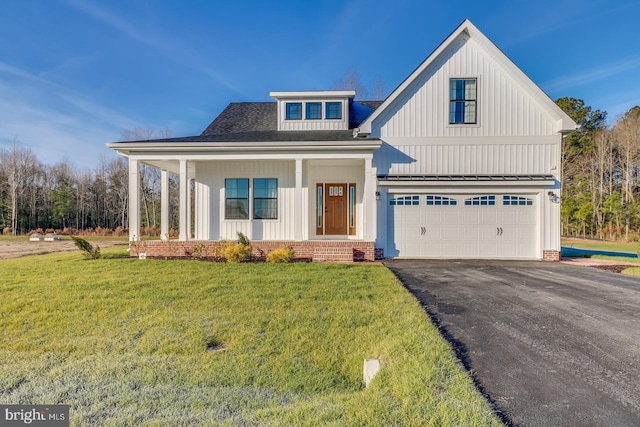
75	74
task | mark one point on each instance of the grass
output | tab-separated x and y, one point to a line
124	342
594	246
600	245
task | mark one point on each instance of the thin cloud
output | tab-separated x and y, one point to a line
156	40
591	76
115	22
52	119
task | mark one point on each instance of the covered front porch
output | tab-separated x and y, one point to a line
319	199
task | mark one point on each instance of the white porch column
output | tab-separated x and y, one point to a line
369	208
164	205
298	208
134	199
184	201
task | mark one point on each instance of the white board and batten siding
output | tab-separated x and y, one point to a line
469	156
514	134
517	133
505	107
210	191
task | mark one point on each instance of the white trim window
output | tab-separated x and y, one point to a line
236	203
463	97
333	110
293	111
265	198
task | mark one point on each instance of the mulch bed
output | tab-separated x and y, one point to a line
613	268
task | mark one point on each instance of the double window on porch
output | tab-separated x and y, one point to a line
264	202
335	209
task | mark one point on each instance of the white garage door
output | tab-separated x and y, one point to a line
462	226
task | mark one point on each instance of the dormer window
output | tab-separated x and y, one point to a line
313	111
333	110
294	111
324	110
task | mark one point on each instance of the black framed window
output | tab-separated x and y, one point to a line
236	204
313	111
463	96
265	198
333	110
293	111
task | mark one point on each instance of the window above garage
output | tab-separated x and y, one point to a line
463	95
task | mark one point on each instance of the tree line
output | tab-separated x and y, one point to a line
600	191
601	174
62	198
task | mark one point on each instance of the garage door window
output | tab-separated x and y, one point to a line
516	201
481	201
405	201
441	201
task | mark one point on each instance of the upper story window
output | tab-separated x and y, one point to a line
293	111
463	97
333	110
313	111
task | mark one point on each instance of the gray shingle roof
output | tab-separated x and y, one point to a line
258	121
242	117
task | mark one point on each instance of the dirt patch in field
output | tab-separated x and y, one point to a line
13	249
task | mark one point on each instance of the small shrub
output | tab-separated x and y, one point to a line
237	252
281	255
242	239
199	251
87	249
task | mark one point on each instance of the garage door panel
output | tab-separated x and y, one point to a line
508	228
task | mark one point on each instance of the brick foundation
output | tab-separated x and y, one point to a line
553	256
315	250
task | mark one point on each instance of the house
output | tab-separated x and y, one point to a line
462	160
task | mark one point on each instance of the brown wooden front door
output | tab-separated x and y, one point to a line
335	209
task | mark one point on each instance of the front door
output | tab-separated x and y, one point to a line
335	209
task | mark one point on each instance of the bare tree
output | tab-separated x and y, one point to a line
626	133
18	165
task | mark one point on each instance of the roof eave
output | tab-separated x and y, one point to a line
354	144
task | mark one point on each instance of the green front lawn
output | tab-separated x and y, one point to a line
600	245
124	342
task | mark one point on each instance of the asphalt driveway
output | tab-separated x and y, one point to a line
548	344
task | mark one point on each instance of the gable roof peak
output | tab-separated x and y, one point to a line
467	30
